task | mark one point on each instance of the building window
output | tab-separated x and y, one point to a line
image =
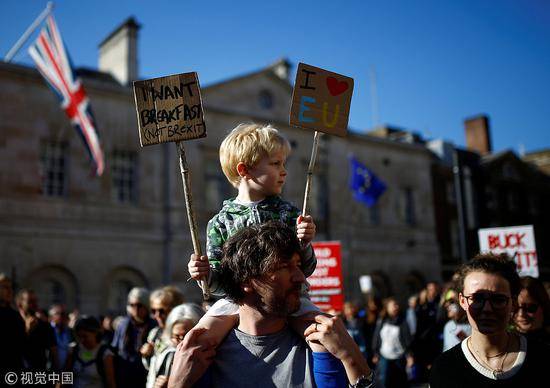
54	164
216	185
408	198
455	239
451	192
374	214
124	175
265	99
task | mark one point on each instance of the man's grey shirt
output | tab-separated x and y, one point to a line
278	360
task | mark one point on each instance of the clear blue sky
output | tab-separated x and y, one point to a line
437	62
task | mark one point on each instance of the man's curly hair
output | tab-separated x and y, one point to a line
254	252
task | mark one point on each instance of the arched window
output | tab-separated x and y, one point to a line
54	284
119	282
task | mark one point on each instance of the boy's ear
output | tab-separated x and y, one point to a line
242	170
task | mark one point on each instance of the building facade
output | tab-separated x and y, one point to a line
85	241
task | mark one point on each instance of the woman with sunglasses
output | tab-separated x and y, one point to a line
162	301
532	316
492	355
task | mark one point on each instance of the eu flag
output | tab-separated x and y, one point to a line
365	186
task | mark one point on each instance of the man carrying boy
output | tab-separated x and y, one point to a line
261	272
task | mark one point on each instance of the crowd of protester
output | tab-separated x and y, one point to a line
137	349
132	350
402	345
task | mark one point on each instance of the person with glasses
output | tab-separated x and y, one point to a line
492	355
130	334
181	319
532	317
162	301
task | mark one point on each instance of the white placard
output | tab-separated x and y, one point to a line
517	242
365	282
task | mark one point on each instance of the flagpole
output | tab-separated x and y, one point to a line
17	46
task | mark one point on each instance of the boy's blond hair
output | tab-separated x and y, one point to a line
248	143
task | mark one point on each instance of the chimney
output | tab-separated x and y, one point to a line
282	68
118	52
478	136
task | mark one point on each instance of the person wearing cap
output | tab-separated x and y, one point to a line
129	337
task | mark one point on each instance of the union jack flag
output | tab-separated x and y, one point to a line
53	62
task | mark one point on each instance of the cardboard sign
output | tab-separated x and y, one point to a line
321	100
326	285
169	109
517	241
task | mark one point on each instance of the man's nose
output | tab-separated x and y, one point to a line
298	276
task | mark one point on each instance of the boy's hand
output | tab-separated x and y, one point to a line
305	229
198	268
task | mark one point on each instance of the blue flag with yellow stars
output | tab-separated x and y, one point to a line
365	186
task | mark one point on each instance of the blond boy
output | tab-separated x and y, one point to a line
253	159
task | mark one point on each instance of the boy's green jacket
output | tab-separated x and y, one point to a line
234	216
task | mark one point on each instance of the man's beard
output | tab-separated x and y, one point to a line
272	303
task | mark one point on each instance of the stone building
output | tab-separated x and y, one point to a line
85	241
475	188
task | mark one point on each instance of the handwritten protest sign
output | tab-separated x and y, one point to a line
321	100
517	241
169	109
326	285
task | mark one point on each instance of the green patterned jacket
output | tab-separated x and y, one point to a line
234	216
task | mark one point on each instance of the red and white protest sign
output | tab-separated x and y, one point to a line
326	285
517	242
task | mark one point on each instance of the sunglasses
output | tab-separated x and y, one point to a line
137	305
159	311
529	308
477	301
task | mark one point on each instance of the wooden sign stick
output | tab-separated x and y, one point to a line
169	109
310	170
184	169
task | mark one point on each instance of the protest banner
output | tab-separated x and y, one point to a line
321	102
517	241
169	109
326	285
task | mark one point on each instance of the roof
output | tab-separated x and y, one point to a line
270	70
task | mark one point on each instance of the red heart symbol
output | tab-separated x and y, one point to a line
336	87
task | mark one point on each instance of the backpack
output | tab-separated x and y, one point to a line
98	360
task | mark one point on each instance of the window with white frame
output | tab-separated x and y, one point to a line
216	186
408	199
124	176
54	168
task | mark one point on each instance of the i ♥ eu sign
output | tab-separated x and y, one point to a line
321	100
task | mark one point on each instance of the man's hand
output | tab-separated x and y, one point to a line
161	382
305	229
191	360
146	349
30	322
198	268
332	334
